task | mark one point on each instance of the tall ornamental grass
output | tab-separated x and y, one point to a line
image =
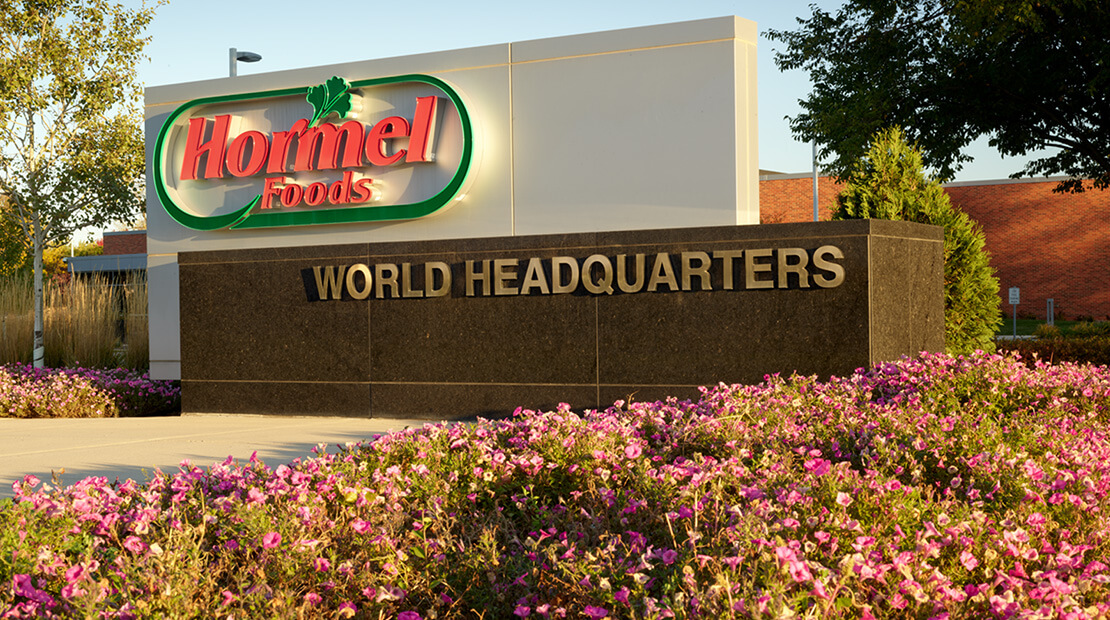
937	487
82	321
81	324
17	321
136	352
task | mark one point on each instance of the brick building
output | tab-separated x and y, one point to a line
124	252
1049	245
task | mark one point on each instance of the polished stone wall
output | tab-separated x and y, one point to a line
257	335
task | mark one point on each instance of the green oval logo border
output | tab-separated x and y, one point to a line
243	218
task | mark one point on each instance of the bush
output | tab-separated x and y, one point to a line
889	183
935	487
1080	350
1087	329
1044	330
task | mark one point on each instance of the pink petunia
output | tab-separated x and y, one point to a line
843	499
595	612
134	544
360	526
271	540
968	560
817	467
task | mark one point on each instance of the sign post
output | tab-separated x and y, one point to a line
1050	315
1015	299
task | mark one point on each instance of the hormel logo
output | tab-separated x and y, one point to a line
217	165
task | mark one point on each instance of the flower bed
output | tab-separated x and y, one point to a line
935	487
27	392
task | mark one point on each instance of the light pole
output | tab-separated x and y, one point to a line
816	215
235	56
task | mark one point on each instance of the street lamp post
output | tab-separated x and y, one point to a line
235	56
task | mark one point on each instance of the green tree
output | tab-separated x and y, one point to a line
1027	74
71	147
13	242
889	183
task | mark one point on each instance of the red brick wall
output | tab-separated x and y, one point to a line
1049	245
129	242
791	200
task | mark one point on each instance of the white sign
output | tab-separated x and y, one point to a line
1015	295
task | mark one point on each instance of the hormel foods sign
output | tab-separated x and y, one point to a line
381	149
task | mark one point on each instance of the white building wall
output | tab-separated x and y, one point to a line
650	127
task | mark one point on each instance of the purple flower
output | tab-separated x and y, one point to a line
595	612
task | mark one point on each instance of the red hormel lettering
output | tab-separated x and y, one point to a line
326	146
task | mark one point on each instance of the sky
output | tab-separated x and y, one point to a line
190	41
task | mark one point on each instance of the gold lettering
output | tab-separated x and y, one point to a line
477	276
622	281
504	270
444	271
727	256
534	278
328	283
835	269
386	276
353	290
751	268
799	268
662	272
557	284
406	282
605	284
701	272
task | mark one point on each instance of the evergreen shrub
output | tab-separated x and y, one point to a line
889	183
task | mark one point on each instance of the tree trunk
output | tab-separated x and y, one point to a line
40	349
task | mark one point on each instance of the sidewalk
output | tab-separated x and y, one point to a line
133	447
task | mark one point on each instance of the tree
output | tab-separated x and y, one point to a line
13	243
889	183
71	147
1027	74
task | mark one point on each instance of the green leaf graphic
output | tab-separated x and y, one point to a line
331	96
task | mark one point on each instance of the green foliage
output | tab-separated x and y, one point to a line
70	123
331	96
889	183
1027	74
53	258
14	249
1081	350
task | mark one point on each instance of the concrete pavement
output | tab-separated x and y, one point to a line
133	447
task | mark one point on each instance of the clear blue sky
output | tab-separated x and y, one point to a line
190	41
